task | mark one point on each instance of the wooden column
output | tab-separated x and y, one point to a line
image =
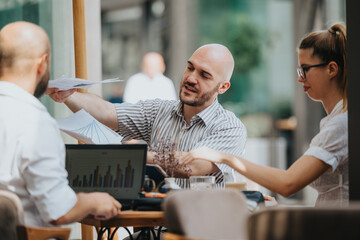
80	39
81	70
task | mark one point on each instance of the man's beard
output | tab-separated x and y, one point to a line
199	101
42	85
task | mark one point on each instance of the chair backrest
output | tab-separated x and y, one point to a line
305	223
32	233
12	222
209	214
11	214
173	236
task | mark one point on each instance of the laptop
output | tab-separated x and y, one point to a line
115	169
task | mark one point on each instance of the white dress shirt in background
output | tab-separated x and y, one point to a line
142	87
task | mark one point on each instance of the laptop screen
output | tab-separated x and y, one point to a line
115	169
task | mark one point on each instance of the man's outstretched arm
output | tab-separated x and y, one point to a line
100	109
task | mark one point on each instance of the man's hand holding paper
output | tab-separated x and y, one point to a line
65	83
60	89
59	96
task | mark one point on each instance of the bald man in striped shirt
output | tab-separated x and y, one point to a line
196	120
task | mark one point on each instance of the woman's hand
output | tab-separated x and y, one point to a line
203	153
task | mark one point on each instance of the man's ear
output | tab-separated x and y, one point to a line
333	69
42	65
223	87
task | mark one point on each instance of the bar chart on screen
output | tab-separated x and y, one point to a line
100	170
105	177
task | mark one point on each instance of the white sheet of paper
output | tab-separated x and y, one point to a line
65	83
84	127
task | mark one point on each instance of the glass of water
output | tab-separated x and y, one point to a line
202	182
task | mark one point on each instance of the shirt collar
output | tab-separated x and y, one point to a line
337	109
178	109
205	115
12	90
208	113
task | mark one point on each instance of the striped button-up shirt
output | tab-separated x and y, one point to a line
158	122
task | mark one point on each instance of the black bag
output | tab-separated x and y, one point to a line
255	196
253	199
148	204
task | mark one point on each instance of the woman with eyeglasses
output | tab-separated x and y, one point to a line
324	166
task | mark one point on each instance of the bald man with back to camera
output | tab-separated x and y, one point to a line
196	120
32	155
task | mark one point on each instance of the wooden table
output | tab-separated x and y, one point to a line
141	219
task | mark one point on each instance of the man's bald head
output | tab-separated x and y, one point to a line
207	75
219	57
20	44
152	64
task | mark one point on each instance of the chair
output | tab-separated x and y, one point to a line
12	222
173	236
209	214
305	223
9	216
32	233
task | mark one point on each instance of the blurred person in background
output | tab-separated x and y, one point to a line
150	83
324	166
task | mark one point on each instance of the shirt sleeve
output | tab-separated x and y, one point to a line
331	144
136	120
43	169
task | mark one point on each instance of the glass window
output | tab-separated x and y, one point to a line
56	18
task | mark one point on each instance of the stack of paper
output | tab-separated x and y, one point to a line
65	83
84	127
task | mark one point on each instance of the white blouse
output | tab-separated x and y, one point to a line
331	146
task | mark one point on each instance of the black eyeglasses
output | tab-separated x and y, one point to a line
301	70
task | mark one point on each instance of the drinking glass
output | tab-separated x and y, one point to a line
202	182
